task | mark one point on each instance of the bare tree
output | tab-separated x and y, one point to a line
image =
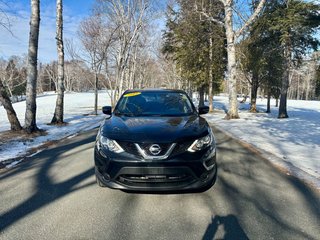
31	92
303	79
50	71
96	41
58	113
77	76
128	18
69	77
10	76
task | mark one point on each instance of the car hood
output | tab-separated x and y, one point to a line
154	129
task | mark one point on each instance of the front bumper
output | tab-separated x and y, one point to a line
186	171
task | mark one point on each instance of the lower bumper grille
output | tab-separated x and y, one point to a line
153	178
170	179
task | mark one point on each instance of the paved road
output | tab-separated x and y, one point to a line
54	196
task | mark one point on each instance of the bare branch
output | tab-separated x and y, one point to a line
239	14
251	19
209	18
5	19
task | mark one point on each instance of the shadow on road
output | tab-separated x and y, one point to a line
232	228
46	190
255	189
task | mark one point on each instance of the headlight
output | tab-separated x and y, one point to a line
202	143
111	145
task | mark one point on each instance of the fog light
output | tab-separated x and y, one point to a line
204	176
106	177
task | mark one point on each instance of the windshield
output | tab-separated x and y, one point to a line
154	103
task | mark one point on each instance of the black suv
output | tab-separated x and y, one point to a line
155	140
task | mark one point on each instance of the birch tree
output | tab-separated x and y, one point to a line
58	113
233	33
11	114
31	92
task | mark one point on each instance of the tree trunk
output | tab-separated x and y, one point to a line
96	93
285	83
268	101
11	114
58	113
232	81
190	89
133	68
308	87
210	75
254	91
31	91
201	96
298	89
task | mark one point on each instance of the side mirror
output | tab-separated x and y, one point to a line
107	110
203	109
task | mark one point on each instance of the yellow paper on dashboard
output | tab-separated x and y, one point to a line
132	94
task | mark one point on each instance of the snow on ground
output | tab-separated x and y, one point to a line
292	143
78	107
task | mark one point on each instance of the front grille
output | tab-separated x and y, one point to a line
179	148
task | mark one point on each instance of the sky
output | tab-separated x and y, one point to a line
19	13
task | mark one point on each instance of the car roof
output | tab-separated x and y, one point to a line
154	90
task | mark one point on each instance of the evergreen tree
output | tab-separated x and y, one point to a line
263	58
278	41
295	22
196	45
